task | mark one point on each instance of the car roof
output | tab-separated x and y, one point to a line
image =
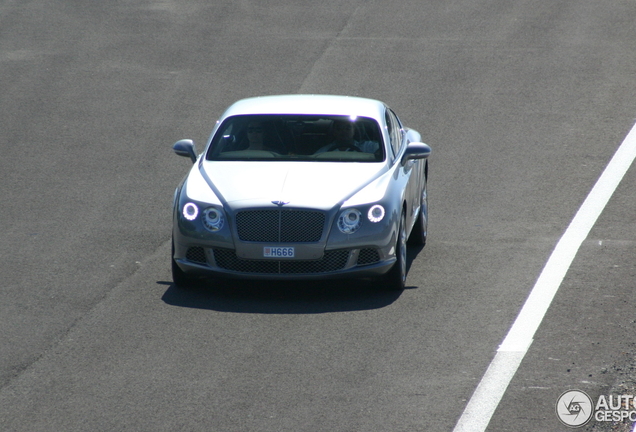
309	104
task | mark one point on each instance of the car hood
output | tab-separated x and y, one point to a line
299	184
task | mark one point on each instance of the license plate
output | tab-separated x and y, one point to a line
278	252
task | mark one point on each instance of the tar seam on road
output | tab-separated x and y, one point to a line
503	367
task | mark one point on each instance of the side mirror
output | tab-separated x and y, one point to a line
185	147
416	150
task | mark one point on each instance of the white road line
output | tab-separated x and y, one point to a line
503	367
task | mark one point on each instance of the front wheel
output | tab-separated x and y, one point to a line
396	277
179	277
420	229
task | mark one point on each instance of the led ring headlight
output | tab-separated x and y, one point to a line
376	213
349	221
213	219
190	211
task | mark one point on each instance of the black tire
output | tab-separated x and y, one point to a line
420	229
179	277
395	279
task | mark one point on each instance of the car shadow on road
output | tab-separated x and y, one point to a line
269	297
286	297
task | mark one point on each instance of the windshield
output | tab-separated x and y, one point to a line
297	138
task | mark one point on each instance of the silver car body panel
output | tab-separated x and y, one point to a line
287	181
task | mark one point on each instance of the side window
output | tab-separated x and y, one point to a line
395	131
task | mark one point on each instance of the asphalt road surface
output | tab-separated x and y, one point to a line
524	102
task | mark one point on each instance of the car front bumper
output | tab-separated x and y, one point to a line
334	264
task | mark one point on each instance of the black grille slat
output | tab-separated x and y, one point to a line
258	225
301	226
227	259
196	254
280	226
368	256
332	261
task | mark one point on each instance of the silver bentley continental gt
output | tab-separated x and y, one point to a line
301	187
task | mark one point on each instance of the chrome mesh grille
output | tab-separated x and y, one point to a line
280	226
332	261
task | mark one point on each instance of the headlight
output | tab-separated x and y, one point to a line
213	219
376	213
349	221
190	211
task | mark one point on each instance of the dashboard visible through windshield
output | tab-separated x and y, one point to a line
297	138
